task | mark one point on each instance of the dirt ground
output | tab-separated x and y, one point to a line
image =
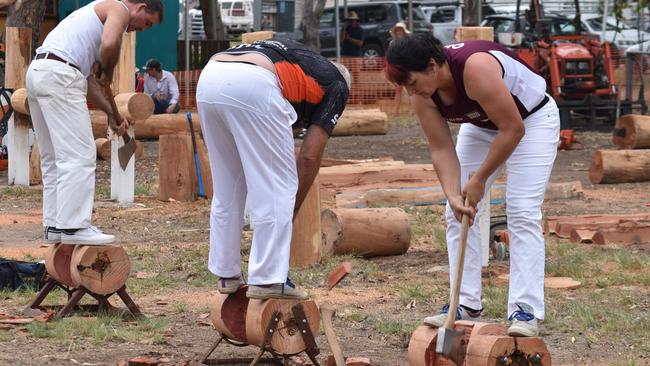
378	305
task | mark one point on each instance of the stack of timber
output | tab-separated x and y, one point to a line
601	229
632	162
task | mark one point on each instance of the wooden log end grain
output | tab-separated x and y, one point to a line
228	314
101	269
57	263
287	339
596	169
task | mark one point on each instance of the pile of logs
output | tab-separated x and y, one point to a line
601	229
632	162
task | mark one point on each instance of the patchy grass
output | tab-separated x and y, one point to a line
102	329
9	192
409	293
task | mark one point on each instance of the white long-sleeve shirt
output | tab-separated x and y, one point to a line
167	86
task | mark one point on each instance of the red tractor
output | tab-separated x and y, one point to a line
579	69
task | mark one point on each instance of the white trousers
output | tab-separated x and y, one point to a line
246	124
57	102
528	171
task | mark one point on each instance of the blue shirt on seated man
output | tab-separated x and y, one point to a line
161	85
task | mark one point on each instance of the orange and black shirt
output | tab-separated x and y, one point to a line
310	82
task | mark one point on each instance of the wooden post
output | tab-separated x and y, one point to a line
17	59
123	181
306	235
35	176
474	33
176	172
484	229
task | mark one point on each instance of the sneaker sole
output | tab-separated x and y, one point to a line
435	325
521	332
91	243
51	241
228	291
274	296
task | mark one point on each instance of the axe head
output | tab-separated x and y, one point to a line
126	151
451	344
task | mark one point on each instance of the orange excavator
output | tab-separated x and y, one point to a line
579	69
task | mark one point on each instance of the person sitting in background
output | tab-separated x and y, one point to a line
162	86
398	31
352	36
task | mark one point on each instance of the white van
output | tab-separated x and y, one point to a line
237	16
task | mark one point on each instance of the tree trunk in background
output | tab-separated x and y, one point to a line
206	6
470	12
29	14
313	10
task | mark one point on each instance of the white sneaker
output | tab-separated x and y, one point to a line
462	313
52	235
87	236
524	323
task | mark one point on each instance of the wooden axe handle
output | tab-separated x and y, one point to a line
327	312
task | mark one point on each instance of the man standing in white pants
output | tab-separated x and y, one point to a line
58	82
508	121
248	97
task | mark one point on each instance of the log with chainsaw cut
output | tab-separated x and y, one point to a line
620	166
632	132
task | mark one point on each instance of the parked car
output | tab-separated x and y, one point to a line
445	16
623	36
504	24
237	16
375	17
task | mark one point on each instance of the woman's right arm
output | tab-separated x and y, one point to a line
443	154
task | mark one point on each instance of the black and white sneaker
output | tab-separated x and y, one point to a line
87	236
52	235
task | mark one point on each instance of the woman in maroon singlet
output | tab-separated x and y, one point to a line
507	121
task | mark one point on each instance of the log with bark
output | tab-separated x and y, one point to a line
101	269
632	132
177	172
620	166
362	122
57	263
369	232
152	127
486	343
245	320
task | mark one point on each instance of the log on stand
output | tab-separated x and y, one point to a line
486	345
283	328
369	232
99	271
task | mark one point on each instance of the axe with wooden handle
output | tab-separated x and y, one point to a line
125	152
327	312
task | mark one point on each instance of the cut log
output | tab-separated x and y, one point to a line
57	263
287	339
581	236
228	314
103	146
624	233
474	33
152	127
620	166
560	283
391	176
361	122
632	132
134	106
565	225
177	173
19	101
35	176
422	346
256	36
306	235
101	269
369	232
563	191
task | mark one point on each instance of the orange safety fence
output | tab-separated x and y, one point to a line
369	87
